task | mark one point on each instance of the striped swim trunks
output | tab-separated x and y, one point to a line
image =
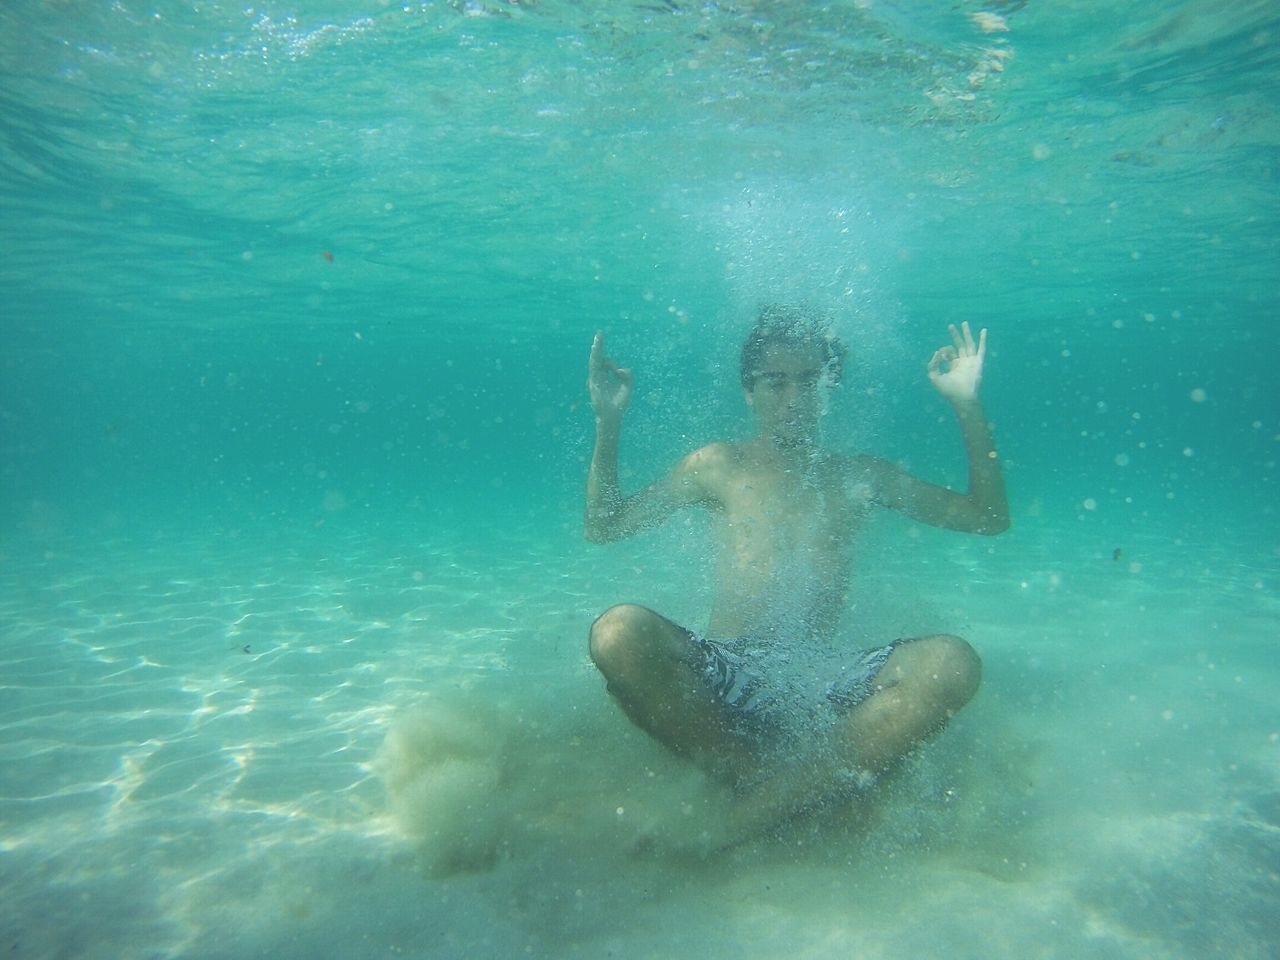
735	677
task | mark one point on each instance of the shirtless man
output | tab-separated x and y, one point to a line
786	514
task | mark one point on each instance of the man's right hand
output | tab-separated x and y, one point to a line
609	384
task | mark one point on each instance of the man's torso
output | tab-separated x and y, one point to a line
786	529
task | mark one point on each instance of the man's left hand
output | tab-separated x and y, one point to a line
956	371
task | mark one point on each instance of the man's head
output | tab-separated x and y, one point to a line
785	358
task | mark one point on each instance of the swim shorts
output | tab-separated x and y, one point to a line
733	675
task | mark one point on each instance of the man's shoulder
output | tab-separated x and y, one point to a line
716	456
879	478
705	470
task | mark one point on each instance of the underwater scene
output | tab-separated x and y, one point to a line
639	479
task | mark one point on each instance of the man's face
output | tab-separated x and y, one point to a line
784	394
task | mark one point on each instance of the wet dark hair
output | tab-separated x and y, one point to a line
792	327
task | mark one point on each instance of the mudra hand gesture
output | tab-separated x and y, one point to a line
608	383
956	371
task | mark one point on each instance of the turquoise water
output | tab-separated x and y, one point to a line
293	436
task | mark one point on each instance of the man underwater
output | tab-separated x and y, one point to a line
742	701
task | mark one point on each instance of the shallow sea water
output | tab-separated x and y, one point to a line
293	593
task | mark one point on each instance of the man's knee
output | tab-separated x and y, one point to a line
957	668
942	668
616	633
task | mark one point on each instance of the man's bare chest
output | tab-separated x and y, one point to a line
802	512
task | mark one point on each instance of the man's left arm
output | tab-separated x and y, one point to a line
956	373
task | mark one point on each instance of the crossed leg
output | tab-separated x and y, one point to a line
654	669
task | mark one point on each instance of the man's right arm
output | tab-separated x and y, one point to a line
610	515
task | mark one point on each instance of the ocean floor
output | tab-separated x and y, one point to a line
326	744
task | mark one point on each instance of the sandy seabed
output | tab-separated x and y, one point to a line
340	746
